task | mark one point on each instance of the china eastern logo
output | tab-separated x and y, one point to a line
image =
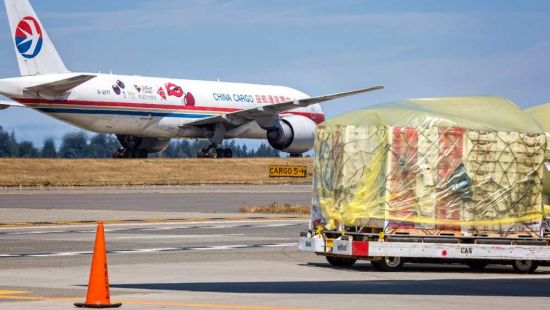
28	37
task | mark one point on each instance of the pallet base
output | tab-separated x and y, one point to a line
457	233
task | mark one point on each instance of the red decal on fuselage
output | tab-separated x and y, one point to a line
161	93
174	90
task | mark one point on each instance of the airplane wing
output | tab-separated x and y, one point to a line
6	104
244	116
60	86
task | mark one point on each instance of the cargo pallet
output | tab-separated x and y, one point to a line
390	252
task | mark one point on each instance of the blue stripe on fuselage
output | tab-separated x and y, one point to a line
115	112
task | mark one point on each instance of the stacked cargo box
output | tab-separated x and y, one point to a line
506	170
402	178
340	166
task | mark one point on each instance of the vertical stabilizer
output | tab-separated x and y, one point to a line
34	50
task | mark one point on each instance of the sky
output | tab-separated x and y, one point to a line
416	49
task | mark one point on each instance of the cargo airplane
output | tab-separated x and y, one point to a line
145	113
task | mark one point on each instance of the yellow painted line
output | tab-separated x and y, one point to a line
39	298
160	303
120	222
4	292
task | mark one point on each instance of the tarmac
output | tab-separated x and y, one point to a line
186	258
206	198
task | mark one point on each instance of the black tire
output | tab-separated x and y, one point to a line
525	266
220	152
118	153
228	153
212	153
477	265
342	262
389	264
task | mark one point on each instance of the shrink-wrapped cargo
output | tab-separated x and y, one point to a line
541	114
461	166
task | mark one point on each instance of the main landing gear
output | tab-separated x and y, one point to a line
130	148
214	152
128	153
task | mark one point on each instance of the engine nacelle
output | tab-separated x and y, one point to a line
295	134
150	145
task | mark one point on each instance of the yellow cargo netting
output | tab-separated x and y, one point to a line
470	164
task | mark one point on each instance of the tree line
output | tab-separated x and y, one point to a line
80	145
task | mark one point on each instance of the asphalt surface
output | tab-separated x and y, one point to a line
224	198
226	262
237	265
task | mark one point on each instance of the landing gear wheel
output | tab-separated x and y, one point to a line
388	264
123	153
477	265
212	153
220	152
228	153
343	262
118	153
525	266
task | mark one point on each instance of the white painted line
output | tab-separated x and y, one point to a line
157	229
278	225
159	224
152	250
173	236
158	250
281	245
59	254
37	232
180	226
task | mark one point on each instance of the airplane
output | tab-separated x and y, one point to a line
145	113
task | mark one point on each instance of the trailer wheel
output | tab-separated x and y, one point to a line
525	266
341	261
388	264
477	265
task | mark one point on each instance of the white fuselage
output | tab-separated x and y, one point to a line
153	107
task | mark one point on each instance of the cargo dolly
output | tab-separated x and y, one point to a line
390	252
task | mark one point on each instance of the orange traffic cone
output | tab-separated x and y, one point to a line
98	287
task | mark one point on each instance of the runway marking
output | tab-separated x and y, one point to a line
243	224
175	304
4	292
156	237
149	221
157	250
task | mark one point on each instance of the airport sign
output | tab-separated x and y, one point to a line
276	171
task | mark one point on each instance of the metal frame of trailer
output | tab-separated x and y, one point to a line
389	252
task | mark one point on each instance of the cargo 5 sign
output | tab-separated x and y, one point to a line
287	171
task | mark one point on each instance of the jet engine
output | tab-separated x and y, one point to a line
139	147
295	134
